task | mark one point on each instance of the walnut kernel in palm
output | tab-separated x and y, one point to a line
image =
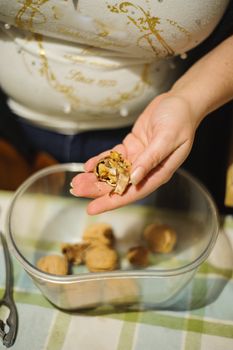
138	256
75	253
54	264
99	233
160	238
114	170
101	258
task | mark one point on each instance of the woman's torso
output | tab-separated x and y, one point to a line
88	64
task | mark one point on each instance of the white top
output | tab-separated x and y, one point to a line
73	65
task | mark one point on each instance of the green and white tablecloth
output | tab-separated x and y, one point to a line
202	321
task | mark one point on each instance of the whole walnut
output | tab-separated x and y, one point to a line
160	238
138	256
99	233
54	264
101	258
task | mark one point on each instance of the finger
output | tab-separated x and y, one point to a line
152	156
87	185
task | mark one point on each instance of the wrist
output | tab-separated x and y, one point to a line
197	111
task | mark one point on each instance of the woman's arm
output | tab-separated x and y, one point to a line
208	84
162	137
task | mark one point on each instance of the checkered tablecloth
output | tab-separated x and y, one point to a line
201	320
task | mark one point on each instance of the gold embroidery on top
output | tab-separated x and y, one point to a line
136	91
147	25
69	91
76	75
102	40
145	75
46	71
57	12
179	27
107	83
30	10
91	61
103	30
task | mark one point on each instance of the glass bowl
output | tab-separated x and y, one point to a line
43	215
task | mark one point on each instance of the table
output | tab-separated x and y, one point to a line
202	320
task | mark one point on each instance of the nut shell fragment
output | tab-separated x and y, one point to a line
160	238
75	253
54	264
114	170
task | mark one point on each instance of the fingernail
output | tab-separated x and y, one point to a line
137	175
71	185
72	192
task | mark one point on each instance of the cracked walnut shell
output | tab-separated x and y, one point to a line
114	170
75	253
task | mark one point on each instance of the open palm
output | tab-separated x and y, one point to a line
159	142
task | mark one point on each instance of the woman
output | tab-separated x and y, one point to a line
86	74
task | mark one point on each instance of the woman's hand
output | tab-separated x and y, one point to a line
160	141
